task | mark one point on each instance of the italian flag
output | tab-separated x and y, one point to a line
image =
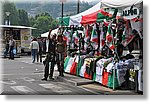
109	38
66	36
76	37
94	36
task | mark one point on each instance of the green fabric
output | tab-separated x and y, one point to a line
94	76
66	62
65	21
79	66
101	17
110	80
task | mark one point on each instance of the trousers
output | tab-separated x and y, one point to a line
49	64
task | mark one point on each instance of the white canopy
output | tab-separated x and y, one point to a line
76	19
119	3
55	31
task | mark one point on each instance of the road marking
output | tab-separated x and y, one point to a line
24	90
8	82
28	79
55	88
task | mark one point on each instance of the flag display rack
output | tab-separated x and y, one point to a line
109	23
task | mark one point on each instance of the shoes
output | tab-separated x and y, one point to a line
51	78
44	79
61	75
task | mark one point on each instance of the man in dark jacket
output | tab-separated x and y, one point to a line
50	58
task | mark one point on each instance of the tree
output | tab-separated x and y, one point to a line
43	22
13	17
23	17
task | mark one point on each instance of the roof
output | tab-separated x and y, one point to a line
119	3
13	26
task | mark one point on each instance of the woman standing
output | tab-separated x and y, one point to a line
60	50
34	46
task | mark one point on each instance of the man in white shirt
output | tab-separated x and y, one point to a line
34	46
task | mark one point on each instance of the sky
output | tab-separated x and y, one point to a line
50	0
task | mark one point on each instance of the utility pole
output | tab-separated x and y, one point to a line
78	6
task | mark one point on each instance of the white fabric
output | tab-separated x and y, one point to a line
109	67
119	3
140	80
45	34
120	75
138	26
70	62
100	65
76	19
83	68
98	78
55	31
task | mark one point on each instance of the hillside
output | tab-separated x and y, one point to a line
54	9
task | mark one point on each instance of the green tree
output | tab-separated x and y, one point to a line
43	22
23	17
13	17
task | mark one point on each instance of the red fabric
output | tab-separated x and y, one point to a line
105	78
73	68
87	76
91	18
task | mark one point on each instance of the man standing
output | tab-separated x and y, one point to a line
34	46
11	47
39	54
50	57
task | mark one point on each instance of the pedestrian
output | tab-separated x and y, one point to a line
6	48
44	45
11	47
60	51
50	57
34	46
39	54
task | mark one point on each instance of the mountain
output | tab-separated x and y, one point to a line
54	9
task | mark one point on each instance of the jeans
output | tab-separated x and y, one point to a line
34	54
11	54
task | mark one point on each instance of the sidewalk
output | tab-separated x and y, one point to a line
91	85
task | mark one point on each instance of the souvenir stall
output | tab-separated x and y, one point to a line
97	52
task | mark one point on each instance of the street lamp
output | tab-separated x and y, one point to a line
7	21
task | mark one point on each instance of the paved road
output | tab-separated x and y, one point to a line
22	77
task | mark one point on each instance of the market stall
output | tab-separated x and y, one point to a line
97	53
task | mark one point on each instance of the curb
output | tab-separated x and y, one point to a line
74	82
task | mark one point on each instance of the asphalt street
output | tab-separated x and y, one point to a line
21	77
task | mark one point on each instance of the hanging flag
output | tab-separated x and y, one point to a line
106	23
66	36
76	37
127	36
94	36
109	38
109	35
118	16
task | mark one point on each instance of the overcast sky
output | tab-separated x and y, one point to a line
49	0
